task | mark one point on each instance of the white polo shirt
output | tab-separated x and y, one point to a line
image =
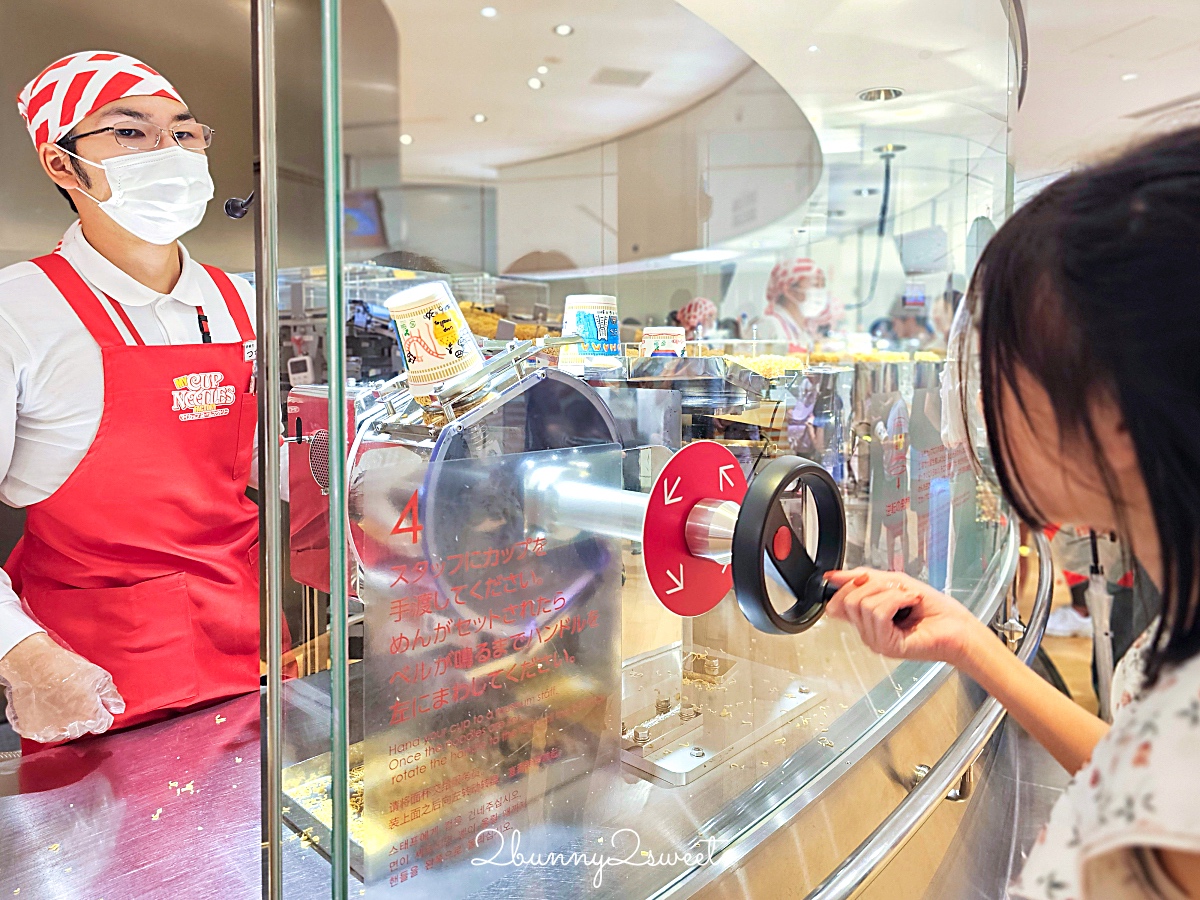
52	378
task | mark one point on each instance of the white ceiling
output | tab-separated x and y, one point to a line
949	55
455	63
1077	106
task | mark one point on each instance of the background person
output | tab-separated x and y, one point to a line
799	308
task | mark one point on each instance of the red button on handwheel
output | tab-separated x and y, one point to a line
781	544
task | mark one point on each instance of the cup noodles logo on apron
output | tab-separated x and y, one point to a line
201	395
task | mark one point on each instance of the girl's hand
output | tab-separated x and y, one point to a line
935	628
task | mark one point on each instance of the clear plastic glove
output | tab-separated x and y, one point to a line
54	694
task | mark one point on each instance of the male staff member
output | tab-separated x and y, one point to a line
127	422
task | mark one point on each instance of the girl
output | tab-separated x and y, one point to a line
1086	307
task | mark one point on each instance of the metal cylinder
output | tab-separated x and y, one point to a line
603	510
709	530
559	500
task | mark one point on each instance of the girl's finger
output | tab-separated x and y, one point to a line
878	615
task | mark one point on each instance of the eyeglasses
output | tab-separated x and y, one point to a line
143	136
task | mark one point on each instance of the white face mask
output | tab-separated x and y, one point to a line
816	301
156	196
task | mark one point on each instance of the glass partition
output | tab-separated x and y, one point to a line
526	193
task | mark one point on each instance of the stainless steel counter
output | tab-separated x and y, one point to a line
169	810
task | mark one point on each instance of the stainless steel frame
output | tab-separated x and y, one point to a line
269	433
335	345
854	875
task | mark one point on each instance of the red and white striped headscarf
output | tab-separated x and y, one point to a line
70	90
787	275
700	311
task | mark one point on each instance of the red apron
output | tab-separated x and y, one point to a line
145	560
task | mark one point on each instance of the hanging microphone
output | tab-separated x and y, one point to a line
237	208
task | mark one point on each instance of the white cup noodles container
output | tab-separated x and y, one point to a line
663	340
435	342
594	318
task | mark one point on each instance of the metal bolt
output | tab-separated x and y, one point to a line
711	666
687	710
697	752
641	735
662	705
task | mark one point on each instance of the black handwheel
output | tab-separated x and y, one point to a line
763	527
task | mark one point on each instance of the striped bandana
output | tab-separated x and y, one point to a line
70	90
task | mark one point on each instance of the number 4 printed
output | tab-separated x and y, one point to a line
410	509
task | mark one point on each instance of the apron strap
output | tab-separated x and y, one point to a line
83	299
124	316
233	302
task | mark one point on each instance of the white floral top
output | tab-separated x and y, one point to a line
1139	792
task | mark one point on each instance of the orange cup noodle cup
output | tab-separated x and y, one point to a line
594	318
667	340
435	342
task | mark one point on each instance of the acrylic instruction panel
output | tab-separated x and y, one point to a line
492	661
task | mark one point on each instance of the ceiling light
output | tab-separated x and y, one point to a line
535	83
406	139
1129	76
543	70
871	95
563	30
479	118
813	48
488	12
706	255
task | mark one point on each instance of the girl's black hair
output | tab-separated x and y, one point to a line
1093	289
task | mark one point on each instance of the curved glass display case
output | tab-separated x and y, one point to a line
501	527
651	164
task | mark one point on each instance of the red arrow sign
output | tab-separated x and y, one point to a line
685	584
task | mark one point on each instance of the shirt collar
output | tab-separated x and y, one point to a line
122	287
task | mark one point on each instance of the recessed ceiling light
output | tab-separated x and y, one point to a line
488	12
871	95
543	70
479	118
1129	76
813	48
535	83
406	139
563	30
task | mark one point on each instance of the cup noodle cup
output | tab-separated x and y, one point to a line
435	341
667	340
594	317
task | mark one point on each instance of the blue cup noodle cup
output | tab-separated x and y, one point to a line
594	318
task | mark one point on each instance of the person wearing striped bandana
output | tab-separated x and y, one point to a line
127	422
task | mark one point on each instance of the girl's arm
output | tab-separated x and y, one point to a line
939	628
